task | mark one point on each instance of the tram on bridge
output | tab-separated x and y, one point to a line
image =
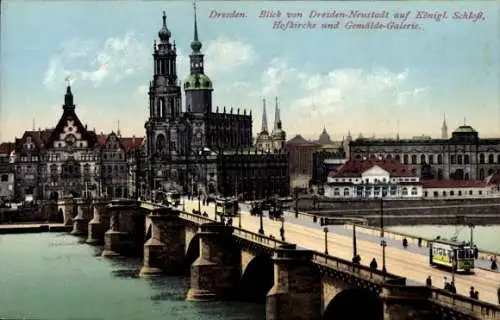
454	255
226	206
167	197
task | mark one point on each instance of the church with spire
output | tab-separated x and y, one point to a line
185	143
275	140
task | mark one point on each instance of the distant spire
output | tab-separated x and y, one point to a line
444	128
68	97
397	129
118	133
34	125
195	44
264	116
277	118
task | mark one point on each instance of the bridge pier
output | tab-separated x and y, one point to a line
81	220
216	272
403	302
296	293
119	239
164	251
67	206
98	225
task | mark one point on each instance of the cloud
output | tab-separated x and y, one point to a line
116	59
224	55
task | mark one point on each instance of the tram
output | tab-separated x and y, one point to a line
226	206
174	198
458	256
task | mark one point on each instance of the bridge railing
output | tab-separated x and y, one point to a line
196	218
484	309
360	270
258	238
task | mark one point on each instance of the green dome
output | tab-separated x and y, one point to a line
197	82
465	129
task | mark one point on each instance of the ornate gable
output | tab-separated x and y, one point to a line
70	132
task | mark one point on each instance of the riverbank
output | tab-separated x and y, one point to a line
33	228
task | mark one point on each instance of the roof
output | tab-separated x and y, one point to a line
6	147
39	137
128	143
443	184
465	129
354	168
494	178
298	140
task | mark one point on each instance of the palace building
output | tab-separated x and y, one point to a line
463	156
184	147
70	160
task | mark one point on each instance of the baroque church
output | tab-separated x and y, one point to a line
277	138
184	147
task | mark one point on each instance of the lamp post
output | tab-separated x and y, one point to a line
282	229
261	229
354	245
238	212
381	217
199	201
325	230
383	243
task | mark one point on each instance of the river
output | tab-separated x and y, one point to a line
54	276
486	237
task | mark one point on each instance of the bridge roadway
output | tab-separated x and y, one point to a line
413	266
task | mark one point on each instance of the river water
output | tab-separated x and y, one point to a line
53	276
486	237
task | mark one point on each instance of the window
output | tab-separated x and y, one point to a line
422	158
414	191
413	159
453	159
480	192
470	192
431	159
459	192
444	193
404	192
346	192
491	159
466	159
5	177
436	194
405	159
452	193
459	159
425	193
336	192
481	158
440	159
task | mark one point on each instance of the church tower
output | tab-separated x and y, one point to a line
197	86
278	135
444	129
164	107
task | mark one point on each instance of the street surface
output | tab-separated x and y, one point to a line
404	262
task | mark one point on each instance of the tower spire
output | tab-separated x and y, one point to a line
264	116
444	128
118	133
195	44
277	118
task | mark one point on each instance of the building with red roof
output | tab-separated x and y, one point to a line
373	178
67	160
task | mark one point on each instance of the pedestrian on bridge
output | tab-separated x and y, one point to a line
494	265
373	264
428	281
498	294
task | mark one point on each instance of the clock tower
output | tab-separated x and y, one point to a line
164	110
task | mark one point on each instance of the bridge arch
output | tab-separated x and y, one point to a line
354	304
192	251
257	278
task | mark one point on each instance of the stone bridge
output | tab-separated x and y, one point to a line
225	262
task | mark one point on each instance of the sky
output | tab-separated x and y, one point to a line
369	81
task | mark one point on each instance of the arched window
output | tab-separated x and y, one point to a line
389	157
491	159
490	172
398	157
160	143
336	192
459	159
481	158
481	174
346	192
405	159
422	158
413	159
404	192
414	191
